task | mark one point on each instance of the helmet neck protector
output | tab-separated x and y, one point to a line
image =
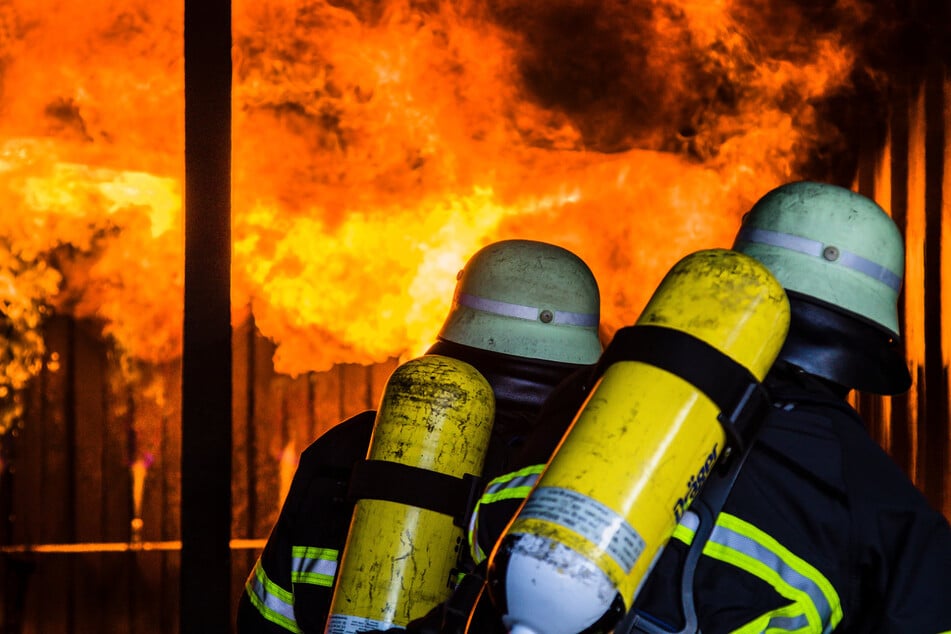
843	348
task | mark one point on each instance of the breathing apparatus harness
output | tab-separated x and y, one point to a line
719	485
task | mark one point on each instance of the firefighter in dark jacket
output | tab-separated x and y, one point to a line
822	531
525	314
818	530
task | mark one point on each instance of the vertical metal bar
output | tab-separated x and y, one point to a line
252	437
205	586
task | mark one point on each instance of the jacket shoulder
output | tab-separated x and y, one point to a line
341	444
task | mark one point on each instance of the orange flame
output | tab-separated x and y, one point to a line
378	144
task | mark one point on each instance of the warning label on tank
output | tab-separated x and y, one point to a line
343	624
589	518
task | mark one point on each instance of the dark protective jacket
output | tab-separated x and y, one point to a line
291	586
822	532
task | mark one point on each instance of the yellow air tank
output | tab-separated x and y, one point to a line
641	446
431	430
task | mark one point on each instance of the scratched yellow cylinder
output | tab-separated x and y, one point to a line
635	456
436	413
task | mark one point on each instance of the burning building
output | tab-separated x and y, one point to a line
377	144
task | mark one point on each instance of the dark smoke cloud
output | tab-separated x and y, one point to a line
599	64
625	82
895	43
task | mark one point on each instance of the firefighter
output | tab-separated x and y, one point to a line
684	389
525	314
821	531
813	528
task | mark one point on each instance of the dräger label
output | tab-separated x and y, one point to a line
343	624
694	484
589	518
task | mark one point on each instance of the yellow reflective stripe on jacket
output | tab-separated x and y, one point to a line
273	602
686	528
789	618
815	603
312	565
510	486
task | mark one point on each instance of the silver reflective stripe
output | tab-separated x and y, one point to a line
686	528
315	566
509	486
273	602
815	248
507	483
690	521
745	545
519	311
787	623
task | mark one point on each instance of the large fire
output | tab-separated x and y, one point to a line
377	144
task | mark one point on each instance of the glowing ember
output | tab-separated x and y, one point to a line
378	144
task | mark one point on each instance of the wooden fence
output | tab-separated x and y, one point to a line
67	489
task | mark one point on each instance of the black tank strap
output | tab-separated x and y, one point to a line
785	382
406	484
732	387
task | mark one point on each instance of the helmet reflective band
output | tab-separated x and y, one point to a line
531	313
817	249
830	243
527	299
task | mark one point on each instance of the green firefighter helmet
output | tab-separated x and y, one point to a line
835	252
829	243
527	299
